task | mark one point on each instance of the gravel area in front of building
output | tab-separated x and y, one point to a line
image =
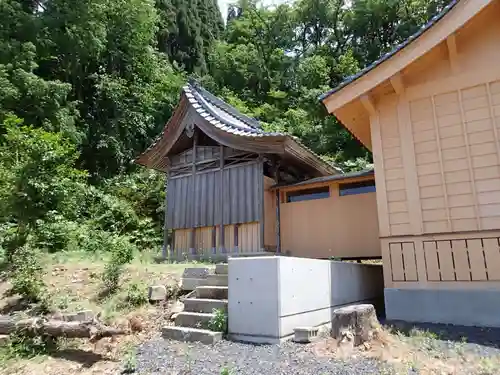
169	357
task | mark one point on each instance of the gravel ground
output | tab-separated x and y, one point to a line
476	350
169	358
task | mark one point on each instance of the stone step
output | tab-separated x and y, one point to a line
212	292
217	280
193	319
221	269
204	305
188	334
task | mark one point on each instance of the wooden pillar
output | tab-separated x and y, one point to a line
221	192
236	238
261	206
165	224
278	202
193	196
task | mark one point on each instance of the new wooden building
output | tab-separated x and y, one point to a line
430	113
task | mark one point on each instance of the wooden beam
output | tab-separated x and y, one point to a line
367	102
221	198
397	83
451	43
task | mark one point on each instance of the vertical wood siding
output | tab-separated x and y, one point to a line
269	214
240	202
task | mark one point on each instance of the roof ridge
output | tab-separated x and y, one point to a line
218	102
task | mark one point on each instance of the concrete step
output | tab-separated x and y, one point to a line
193	319
221	269
204	305
188	334
217	280
212	292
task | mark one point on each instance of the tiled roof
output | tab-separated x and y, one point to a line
227	118
396	49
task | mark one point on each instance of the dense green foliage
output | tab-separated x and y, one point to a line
85	86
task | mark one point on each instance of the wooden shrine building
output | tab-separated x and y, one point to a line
221	166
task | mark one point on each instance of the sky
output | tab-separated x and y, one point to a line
224	3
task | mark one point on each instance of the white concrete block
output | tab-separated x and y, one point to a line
305	334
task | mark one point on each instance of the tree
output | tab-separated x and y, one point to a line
187	30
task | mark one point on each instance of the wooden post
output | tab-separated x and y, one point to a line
236	238
261	206
165	226
193	195
278	202
221	236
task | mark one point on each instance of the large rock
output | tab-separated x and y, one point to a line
354	324
157	293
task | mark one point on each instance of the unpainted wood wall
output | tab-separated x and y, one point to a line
338	226
248	240
436	148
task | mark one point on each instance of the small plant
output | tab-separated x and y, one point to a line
130	363
136	295
218	322
224	371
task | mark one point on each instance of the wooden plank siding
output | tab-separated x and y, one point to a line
436	145
337	226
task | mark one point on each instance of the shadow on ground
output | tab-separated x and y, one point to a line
474	335
85	358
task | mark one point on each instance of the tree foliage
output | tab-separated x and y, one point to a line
87	85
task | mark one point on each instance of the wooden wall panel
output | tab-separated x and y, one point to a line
331	227
248	237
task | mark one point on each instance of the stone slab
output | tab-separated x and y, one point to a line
192	283
217	280
188	334
221	269
212	292
204	305
192	319
195	273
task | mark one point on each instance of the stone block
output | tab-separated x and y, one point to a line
305	334
157	293
79	316
187	334
195	273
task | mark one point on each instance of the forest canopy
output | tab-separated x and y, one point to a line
85	86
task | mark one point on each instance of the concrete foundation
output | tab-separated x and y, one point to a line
472	307
271	296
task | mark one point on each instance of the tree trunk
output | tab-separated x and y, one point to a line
355	323
57	328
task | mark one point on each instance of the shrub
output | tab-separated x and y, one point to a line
27	275
122	252
136	295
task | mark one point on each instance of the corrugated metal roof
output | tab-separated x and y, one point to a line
336	177
396	49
